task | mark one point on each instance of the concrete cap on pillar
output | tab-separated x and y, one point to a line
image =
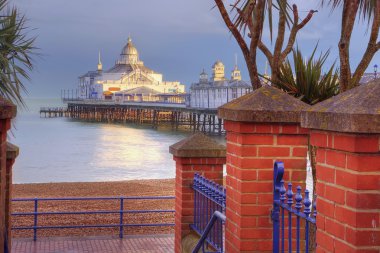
354	111
267	104
7	109
12	151
198	145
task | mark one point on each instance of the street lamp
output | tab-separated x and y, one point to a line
375	70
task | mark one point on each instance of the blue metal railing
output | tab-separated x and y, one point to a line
209	197
216	216
283	200
121	213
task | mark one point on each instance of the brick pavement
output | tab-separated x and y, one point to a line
143	244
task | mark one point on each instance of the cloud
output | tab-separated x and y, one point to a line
175	37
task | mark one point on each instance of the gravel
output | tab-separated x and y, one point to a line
157	187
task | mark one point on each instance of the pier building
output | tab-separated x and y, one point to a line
218	90
128	73
369	77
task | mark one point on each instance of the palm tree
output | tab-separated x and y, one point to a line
368	11
310	84
307	81
16	50
245	20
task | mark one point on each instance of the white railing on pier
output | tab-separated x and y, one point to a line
143	103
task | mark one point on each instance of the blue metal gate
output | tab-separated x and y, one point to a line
283	200
209	209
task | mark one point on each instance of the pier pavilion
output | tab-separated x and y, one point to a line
129	72
218	90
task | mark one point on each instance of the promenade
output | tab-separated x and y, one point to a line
141	244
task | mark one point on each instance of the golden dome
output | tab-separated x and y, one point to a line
129	48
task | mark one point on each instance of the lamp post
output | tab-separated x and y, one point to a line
375	70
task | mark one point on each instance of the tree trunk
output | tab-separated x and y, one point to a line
313	227
254	75
350	9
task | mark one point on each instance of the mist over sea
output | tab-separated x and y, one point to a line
65	150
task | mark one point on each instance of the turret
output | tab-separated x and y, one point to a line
218	71
266	76
235	74
203	77
100	66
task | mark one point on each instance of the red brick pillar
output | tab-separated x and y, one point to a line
262	127
12	153
7	112
346	130
195	154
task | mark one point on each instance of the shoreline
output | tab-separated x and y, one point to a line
143	187
120	188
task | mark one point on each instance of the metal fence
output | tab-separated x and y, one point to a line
209	197
121	211
283	200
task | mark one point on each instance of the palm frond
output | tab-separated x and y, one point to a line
366	7
305	79
16	51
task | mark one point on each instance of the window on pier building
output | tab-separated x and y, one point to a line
234	93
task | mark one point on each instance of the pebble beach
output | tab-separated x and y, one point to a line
156	187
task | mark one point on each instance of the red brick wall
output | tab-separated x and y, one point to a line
252	148
348	188
8	196
211	168
4	127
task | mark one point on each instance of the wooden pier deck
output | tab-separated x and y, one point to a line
178	116
53	112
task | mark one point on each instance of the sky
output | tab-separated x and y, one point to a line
177	38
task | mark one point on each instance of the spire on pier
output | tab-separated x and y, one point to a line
100	65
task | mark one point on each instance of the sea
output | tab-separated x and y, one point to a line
67	150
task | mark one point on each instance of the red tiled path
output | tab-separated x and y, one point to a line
148	244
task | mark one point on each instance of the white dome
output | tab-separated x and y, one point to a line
129	54
218	63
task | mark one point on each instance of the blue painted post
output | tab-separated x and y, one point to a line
213	192
224	208
278	172
221	209
196	204
35	219
207	214
307	212
203	205
121	217
298	207
289	194
282	199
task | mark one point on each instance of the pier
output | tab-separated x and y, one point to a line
175	115
53	112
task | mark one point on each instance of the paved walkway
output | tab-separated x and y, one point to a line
143	244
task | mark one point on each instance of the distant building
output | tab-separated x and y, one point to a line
127	73
145	94
368	77
214	92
